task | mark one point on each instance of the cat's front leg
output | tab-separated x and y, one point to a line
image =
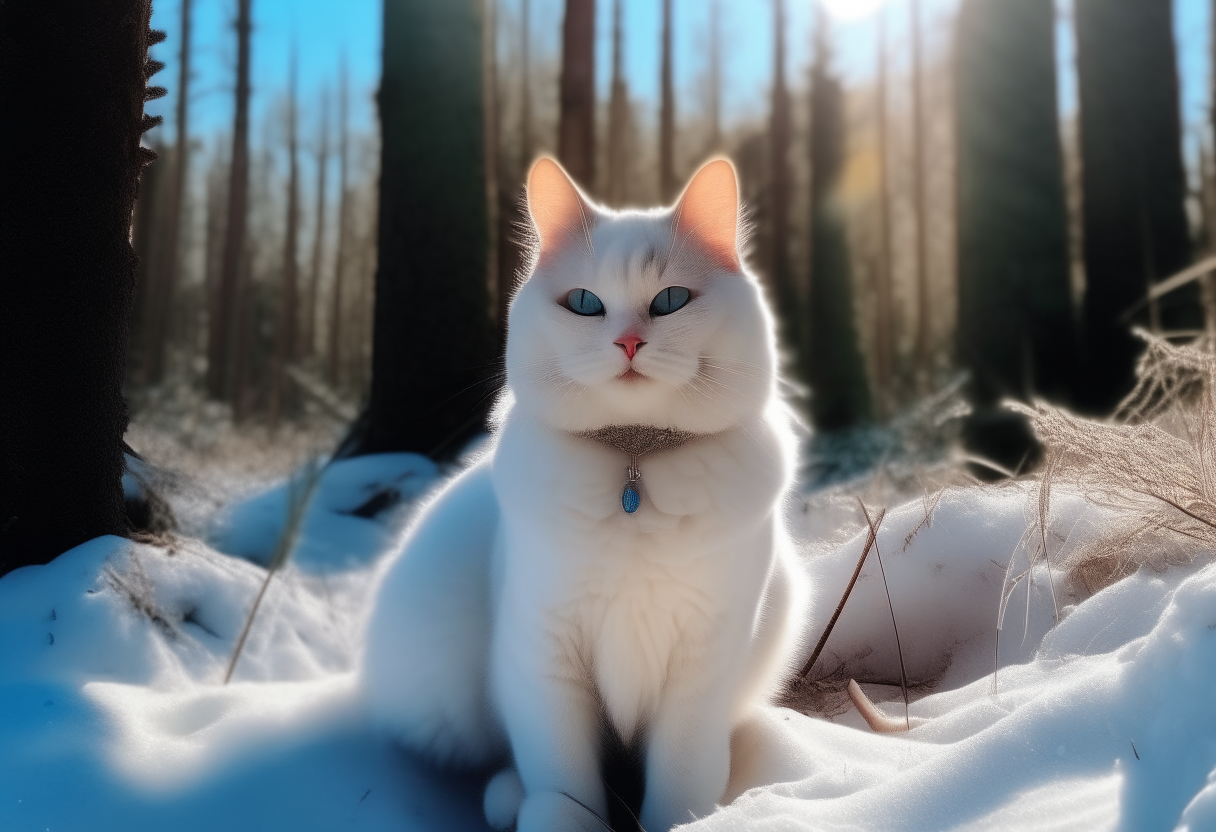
687	759
552	720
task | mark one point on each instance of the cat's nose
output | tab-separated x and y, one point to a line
630	343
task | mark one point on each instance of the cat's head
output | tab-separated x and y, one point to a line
639	317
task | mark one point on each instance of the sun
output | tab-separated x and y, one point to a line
851	9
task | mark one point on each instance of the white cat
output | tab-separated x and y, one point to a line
618	556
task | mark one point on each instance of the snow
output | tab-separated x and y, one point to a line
113	713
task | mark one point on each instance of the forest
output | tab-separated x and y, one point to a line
252	315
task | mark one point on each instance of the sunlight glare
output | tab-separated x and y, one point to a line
851	9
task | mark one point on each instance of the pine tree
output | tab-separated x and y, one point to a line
1133	182
433	337
68	183
1015	331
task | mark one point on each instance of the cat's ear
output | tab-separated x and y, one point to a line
559	211
708	212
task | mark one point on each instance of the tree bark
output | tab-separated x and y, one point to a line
922	359
222	335
840	393
1015	327
785	292
1134	185
68	183
334	354
576	126
667	116
160	322
285	332
434	339
309	333
618	114
884	306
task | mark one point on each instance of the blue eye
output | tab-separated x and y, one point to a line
669	300
582	302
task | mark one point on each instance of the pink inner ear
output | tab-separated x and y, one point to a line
558	210
708	212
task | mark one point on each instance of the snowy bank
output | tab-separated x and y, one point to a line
113	713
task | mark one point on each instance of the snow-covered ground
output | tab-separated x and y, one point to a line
114	715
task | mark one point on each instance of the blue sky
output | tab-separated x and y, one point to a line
329	32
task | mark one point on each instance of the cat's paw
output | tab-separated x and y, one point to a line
557	812
504	794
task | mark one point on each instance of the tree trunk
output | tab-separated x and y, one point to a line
160	321
576	127
285	332
840	393
433	339
221	345
714	140
667	117
922	359
785	293
68	184
618	113
1133	182
1015	330
334	354
309	334
884	305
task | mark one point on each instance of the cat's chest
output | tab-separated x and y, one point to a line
581	486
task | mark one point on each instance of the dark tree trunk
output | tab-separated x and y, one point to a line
785	292
576	127
285	332
714	140
667	116
922	360
840	393
618	113
225	311
68	182
309	327
1015	329
161	317
433	339
1134	186
334	354
884	305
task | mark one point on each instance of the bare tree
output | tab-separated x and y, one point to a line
667	115
220	347
159	321
922	359
309	333
576	127
618	115
285	332
884	336
334	354
714	140
780	272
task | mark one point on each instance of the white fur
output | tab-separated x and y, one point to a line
526	606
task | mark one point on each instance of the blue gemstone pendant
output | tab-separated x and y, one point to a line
630	498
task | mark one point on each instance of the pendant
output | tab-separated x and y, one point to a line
631	497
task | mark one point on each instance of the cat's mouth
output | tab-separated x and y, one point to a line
631	375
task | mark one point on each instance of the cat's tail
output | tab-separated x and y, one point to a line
878	721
